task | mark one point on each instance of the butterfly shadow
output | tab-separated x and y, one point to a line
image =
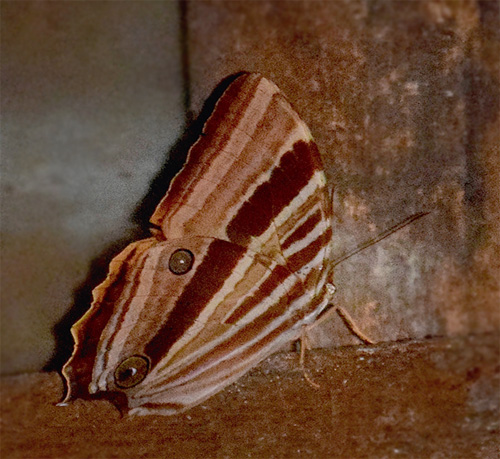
82	295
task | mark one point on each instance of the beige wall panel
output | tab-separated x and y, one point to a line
403	99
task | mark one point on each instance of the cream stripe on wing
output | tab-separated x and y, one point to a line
315	232
119	327
255	288
309	212
236	142
304	194
280	292
294	307
238	273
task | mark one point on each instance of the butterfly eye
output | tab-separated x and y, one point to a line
131	371
181	261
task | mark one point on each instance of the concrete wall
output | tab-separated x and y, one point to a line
91	104
402	98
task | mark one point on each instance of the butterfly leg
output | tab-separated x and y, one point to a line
352	326
304	339
344	315
304	345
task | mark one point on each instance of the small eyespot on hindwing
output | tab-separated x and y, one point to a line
131	371
181	261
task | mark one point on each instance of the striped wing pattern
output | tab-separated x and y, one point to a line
251	205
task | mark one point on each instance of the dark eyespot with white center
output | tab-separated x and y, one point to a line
181	261
131	371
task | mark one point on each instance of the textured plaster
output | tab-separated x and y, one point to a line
403	101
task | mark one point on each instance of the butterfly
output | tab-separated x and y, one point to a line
240	261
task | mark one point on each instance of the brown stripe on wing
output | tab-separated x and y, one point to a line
307	254
235	345
246	280
294	172
87	331
276	278
214	198
227	370
303	230
286	182
228	111
303	211
220	260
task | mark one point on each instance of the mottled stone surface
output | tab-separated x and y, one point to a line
430	399
403	100
91	102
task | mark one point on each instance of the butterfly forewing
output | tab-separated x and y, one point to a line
241	264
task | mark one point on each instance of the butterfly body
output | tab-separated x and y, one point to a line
241	263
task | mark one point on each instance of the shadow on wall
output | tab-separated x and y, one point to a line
82	296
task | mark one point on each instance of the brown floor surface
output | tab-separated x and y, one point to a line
436	398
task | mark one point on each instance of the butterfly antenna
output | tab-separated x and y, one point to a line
381	236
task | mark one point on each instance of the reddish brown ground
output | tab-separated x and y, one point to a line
437	398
